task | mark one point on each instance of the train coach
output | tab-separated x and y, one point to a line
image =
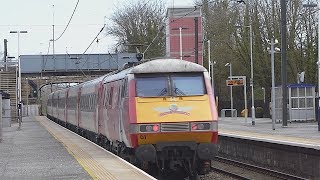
159	114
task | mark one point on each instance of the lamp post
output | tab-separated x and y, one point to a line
19	77
273	96
180	38
251	79
230	68
253	116
264	95
318	62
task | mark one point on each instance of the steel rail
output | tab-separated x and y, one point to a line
259	169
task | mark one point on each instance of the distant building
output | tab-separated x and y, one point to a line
184	18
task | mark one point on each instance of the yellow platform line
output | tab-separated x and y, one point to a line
94	169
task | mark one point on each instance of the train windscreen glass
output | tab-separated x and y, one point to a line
188	85
170	85
152	86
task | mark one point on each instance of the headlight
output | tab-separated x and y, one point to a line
200	126
149	128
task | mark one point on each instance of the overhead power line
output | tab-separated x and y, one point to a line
74	10
94	38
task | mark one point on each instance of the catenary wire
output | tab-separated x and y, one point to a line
74	10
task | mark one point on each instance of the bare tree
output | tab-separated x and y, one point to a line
230	44
139	24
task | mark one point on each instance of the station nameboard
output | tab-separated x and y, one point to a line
234	82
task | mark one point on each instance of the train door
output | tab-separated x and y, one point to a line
78	117
110	111
66	106
123	114
105	117
100	100
120	108
57	105
116	109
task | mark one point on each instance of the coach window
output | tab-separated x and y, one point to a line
105	95
82	103
119	96
125	88
87	102
90	102
69	103
110	97
122	88
94	101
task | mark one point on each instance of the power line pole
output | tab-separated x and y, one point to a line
283	6
273	98
53	30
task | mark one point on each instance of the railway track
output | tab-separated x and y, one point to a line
228	173
252	168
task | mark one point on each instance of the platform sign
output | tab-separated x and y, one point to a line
235	82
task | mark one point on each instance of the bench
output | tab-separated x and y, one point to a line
232	111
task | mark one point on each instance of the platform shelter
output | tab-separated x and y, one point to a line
301	99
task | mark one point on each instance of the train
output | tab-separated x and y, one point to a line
158	114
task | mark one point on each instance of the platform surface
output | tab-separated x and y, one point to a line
32	153
304	134
44	150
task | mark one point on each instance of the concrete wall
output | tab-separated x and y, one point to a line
299	161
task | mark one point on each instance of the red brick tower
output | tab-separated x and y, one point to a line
183	20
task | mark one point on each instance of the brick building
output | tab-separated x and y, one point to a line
183	19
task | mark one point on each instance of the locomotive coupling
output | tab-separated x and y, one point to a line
146	153
207	151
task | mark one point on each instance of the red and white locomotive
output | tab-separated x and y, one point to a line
157	113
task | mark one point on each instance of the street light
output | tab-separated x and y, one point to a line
273	96
19	78
230	76
318	63
251	78
180	35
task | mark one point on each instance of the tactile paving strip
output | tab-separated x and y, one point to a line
99	163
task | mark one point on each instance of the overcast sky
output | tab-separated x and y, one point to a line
36	17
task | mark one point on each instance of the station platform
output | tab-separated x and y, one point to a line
302	134
42	149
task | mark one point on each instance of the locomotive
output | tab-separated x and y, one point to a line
159	114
